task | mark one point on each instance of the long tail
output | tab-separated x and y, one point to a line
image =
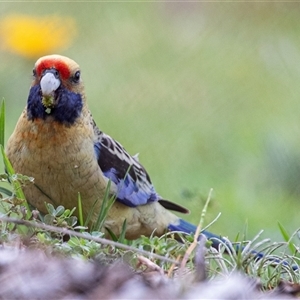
216	240
187	227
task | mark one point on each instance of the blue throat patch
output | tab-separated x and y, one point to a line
68	108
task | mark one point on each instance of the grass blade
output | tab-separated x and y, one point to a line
2	122
105	207
15	183
112	235
287	238
80	214
123	232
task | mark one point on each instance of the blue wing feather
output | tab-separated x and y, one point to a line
133	185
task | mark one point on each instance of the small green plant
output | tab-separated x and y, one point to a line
16	180
59	216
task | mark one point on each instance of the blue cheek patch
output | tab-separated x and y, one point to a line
68	108
35	108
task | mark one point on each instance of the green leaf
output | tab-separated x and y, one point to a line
68	213
5	191
80	214
72	221
123	232
48	219
286	236
59	210
105	207
15	183
112	235
90	213
50	208
2	122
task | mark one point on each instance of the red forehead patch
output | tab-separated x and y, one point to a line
57	64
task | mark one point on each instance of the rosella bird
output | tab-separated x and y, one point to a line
57	141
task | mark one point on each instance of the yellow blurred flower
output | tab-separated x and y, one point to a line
33	36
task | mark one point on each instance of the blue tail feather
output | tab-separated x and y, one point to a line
187	227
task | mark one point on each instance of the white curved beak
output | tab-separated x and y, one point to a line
49	84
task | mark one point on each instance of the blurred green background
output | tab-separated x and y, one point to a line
207	93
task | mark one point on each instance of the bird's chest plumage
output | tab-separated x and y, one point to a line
61	159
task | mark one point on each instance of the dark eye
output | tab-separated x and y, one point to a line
34	73
76	77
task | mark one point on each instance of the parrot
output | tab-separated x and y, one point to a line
57	142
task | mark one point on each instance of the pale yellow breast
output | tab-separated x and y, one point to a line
60	158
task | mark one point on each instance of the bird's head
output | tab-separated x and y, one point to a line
56	91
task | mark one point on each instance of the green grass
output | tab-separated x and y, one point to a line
207	93
58	233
